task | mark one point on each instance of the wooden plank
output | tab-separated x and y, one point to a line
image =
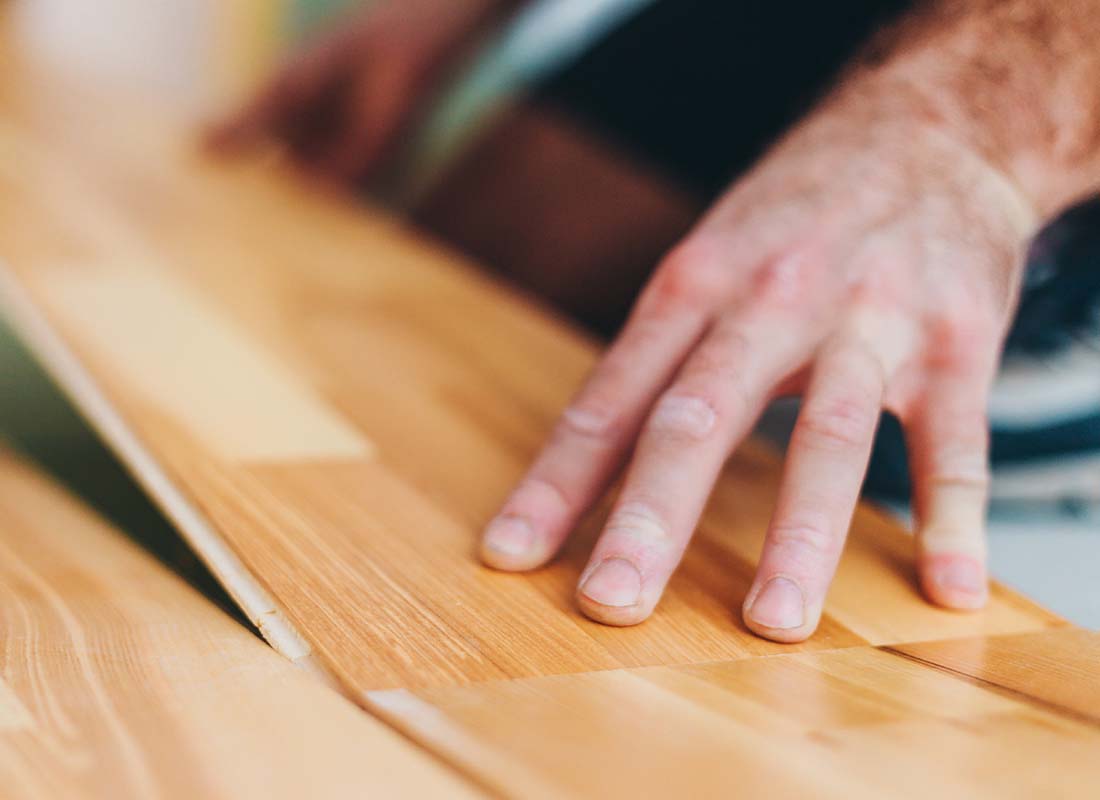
330	408
852	723
1062	672
118	680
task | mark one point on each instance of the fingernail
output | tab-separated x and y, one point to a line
780	605
510	536
615	583
960	575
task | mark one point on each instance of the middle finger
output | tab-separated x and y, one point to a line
718	395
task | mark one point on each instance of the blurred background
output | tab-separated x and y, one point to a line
206	55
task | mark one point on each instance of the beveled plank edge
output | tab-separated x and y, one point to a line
67	371
308	664
377	700
1057	709
64	367
438	734
1019	695
416	716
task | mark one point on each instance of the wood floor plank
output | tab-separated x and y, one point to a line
330	408
1062	672
854	723
118	680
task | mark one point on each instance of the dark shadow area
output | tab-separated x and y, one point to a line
37	421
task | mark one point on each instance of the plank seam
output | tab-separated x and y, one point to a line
1007	691
92	402
59	361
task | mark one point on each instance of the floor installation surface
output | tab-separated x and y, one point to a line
118	680
330	409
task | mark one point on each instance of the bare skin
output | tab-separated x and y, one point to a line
870	261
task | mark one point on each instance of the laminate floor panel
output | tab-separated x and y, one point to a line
989	717
118	680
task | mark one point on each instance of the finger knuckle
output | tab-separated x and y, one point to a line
837	424
810	542
962	341
727	393
729	349
637	523
685	416
588	420
956	539
719	369
967	474
788	282
860	364
685	279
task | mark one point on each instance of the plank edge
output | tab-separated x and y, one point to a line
74	380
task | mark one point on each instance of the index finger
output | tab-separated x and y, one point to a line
589	442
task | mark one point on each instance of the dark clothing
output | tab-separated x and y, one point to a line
700	87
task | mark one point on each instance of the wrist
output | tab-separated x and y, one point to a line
1050	164
1016	83
882	112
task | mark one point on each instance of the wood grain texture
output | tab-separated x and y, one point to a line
118	680
1062	672
853	723
377	400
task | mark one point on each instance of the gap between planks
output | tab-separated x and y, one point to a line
1058	709
94	405
219	557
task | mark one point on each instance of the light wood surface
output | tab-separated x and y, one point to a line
118	680
330	408
1062	671
1012	717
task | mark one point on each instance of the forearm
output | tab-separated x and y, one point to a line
1016	81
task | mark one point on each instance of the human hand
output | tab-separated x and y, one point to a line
340	104
871	261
